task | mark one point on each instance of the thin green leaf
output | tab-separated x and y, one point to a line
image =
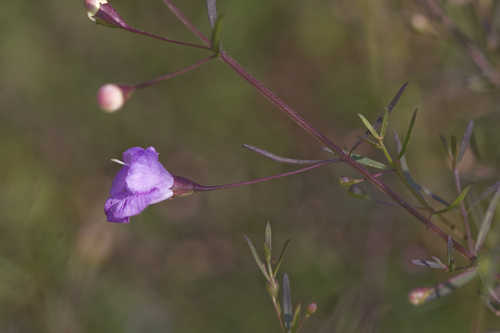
444	142
259	262
287	302
212	11
282	255
369	126
486	224
408	134
268	242
385	124
456	202
423	295
389	108
465	141
296	315
363	160
216	34
348	181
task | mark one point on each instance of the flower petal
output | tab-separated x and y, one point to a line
146	172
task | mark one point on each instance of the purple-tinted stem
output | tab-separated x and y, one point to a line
144	33
173	74
198	187
318	135
181	17
470	241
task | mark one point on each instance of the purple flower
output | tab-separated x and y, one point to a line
142	181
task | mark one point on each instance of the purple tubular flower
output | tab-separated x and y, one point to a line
142	181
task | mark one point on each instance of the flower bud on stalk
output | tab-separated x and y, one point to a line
101	12
111	97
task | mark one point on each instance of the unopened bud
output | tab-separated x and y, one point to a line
101	12
421	24
311	308
419	296
111	97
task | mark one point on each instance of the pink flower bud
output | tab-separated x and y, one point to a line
93	6
311	308
111	97
101	12
419	296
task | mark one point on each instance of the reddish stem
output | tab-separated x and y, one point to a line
173	74
198	187
274	99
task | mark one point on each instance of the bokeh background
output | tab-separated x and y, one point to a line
183	265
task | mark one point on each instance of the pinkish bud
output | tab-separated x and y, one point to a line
93	6
101	12
111	97
419	296
311	308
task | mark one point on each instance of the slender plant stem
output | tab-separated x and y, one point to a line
274	99
277	158
181	17
173	74
470	241
144	33
263	179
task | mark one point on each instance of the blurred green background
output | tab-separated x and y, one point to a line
183	265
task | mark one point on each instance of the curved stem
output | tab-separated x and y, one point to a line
199	188
144	33
274	99
173	74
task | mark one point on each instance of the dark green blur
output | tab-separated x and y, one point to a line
183	265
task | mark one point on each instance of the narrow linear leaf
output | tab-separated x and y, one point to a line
259	262
456	202
212	11
348	181
296	315
368	126
287	302
282	255
486	223
389	108
465	141
423	295
396	98
435	263
216	34
385	124
362	160
268	242
369	162
408	134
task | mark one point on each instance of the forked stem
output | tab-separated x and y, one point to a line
274	99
